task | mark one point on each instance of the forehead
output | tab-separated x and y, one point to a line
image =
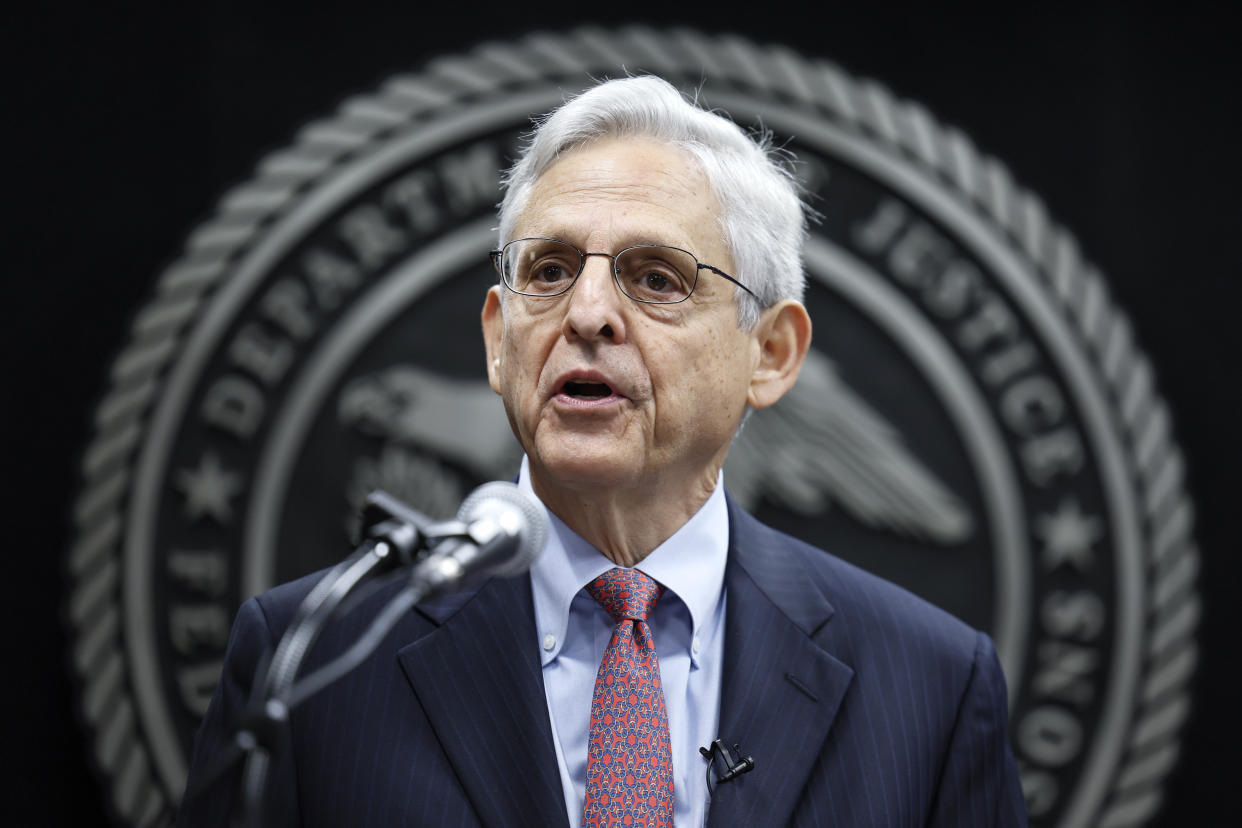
623	191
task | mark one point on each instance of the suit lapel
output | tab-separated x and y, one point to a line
479	681
780	691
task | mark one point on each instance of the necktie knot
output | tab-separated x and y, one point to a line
626	593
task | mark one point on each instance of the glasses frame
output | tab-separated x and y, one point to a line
497	257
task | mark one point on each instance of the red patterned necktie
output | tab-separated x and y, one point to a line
629	761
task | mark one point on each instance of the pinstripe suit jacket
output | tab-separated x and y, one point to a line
861	704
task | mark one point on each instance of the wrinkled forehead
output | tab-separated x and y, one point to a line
623	190
661	164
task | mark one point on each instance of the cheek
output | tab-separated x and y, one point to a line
521	364
700	385
723	372
719	360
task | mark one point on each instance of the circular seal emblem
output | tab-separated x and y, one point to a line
974	423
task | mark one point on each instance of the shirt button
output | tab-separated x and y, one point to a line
694	645
549	641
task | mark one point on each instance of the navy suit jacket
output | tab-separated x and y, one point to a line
861	704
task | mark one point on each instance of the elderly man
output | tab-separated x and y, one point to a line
649	297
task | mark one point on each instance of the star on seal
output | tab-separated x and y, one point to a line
209	489
1068	535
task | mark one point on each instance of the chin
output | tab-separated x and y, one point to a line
573	464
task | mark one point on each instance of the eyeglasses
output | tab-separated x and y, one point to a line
654	274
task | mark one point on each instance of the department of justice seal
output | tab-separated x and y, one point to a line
974	422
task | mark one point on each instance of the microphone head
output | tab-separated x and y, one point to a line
518	514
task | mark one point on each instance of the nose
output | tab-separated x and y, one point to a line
596	306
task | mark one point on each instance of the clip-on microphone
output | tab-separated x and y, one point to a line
726	763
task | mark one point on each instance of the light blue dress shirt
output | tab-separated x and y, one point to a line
688	628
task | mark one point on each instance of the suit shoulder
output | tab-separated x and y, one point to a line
277	606
279	603
866	606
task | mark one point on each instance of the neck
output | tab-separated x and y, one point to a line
624	524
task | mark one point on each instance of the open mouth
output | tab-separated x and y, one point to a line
586	390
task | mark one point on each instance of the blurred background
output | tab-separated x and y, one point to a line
126	126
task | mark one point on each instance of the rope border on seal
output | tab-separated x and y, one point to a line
93	610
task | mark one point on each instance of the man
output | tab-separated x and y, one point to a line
649	297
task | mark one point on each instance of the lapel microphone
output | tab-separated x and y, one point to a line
727	764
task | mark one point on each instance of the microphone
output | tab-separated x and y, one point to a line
728	764
502	530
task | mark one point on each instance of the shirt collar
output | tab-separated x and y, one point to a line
691	564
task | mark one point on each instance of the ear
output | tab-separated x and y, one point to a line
783	336
493	318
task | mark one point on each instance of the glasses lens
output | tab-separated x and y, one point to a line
540	267
657	274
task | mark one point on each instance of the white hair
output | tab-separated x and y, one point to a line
762	220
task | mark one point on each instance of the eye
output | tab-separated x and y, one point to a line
656	282
549	272
543	266
653	273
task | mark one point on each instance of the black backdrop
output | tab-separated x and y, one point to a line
129	125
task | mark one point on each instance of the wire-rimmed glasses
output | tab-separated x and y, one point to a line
654	274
